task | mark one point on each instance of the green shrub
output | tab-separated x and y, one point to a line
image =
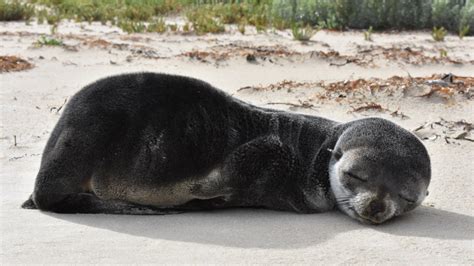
230	13
131	26
137	13
463	30
381	15
173	27
241	27
15	10
203	22
368	34
467	17
438	34
258	16
186	27
443	53
252	12
46	41
41	15
157	25
303	33
53	19
453	14
280	23
210	15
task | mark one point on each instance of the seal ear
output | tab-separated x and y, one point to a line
337	154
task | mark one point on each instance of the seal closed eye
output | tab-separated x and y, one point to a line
149	143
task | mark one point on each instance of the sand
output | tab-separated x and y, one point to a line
441	231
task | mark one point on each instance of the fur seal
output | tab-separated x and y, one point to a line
148	143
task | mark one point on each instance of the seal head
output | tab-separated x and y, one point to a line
378	170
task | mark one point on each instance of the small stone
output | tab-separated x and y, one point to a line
251	58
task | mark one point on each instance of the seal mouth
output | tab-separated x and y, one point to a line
346	206
363	219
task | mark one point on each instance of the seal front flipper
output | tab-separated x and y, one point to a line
259	170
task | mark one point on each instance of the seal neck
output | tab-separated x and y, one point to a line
317	187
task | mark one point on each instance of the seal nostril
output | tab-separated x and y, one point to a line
376	207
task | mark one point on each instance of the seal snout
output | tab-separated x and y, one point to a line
375	211
376	207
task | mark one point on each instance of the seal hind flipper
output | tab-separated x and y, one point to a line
67	163
69	160
73	152
29	204
90	203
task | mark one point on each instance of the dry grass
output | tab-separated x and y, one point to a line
13	63
224	52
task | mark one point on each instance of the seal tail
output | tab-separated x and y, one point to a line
29	204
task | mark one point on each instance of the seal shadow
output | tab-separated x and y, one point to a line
258	228
433	223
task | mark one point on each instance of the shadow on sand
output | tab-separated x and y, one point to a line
256	228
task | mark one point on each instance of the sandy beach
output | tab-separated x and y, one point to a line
337	75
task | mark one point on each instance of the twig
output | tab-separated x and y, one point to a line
399	114
369	106
348	61
246	88
378	107
365	51
463	136
409	75
300	105
445	81
438	82
422	126
445	127
18	157
430	93
58	108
